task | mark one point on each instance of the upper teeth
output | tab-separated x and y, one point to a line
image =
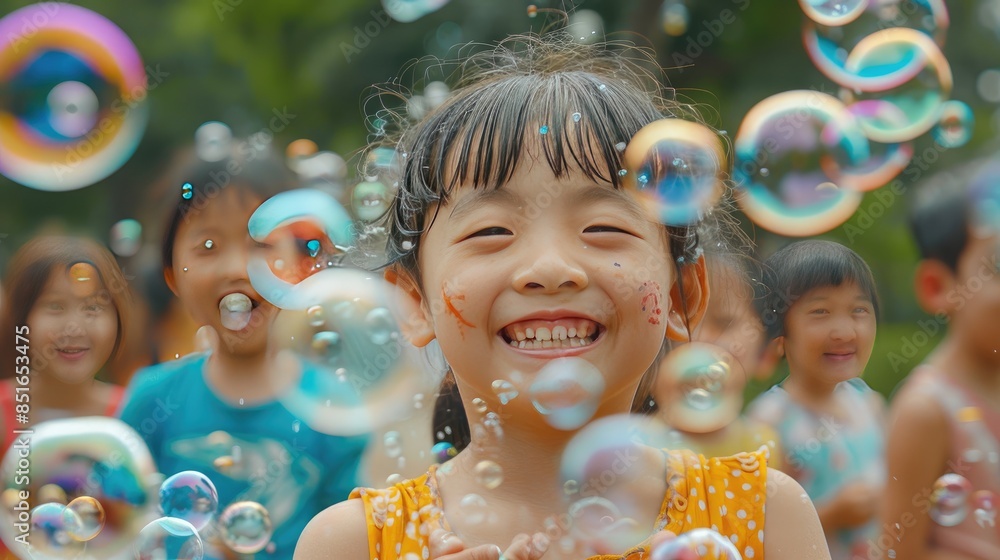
545	336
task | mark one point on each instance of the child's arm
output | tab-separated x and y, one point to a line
917	454
338	531
791	527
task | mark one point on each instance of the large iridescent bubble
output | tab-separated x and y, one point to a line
72	110
829	46
50	533
359	373
406	11
885	161
792	150
697	544
99	458
674	168
903	67
567	392
604	495
246	527
307	231
833	12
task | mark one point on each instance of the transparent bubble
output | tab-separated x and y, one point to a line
585	26
480	405
321	168
73	108
984	508
51	528
86	518
357	372
443	451
435	94
833	12
213	141
504	390
674	17
393	447
100	458
702	393
830	46
804	140
988	85
287	223
300	148
567	392
191	496
955	124
591	456
903	67
370	200
674	169
474	509
696	544
885	161
949	499
488	474
407	11
246	527
126	238
169	538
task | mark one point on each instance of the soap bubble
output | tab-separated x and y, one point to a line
213	141
50	534
696	544
191	496
370	200
126	238
950	499
674	17
169	538
488	474
833	12
954	126
246	527
73	106
443	451
86	518
567	392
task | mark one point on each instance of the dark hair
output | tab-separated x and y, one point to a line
250	168
29	271
579	103
805	265
503	99
942	211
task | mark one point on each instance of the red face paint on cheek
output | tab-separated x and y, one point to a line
650	301
449	300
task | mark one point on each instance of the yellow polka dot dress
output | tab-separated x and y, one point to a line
725	494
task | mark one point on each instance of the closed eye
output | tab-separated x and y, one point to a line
818	312
605	229
491	231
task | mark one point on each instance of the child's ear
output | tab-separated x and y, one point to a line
932	283
770	356
688	306
168	275
414	319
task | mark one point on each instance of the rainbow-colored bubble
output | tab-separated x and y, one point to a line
72	97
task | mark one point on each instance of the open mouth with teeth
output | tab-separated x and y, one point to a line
563	333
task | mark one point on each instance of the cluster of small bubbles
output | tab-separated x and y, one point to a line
443	451
169	537
567	392
949	499
190	496
702	543
504	390
488	474
675	17
954	126
73	109
126	238
246	527
52	526
393	447
213	141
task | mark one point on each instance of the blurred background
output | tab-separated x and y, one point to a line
312	65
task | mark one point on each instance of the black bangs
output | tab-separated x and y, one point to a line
791	272
572	105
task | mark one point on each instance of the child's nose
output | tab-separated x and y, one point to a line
549	270
233	264
843	329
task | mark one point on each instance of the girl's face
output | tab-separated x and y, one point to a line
211	251
544	268
730	321
73	325
829	333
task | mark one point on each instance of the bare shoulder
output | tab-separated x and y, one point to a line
341	528
913	408
792	530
